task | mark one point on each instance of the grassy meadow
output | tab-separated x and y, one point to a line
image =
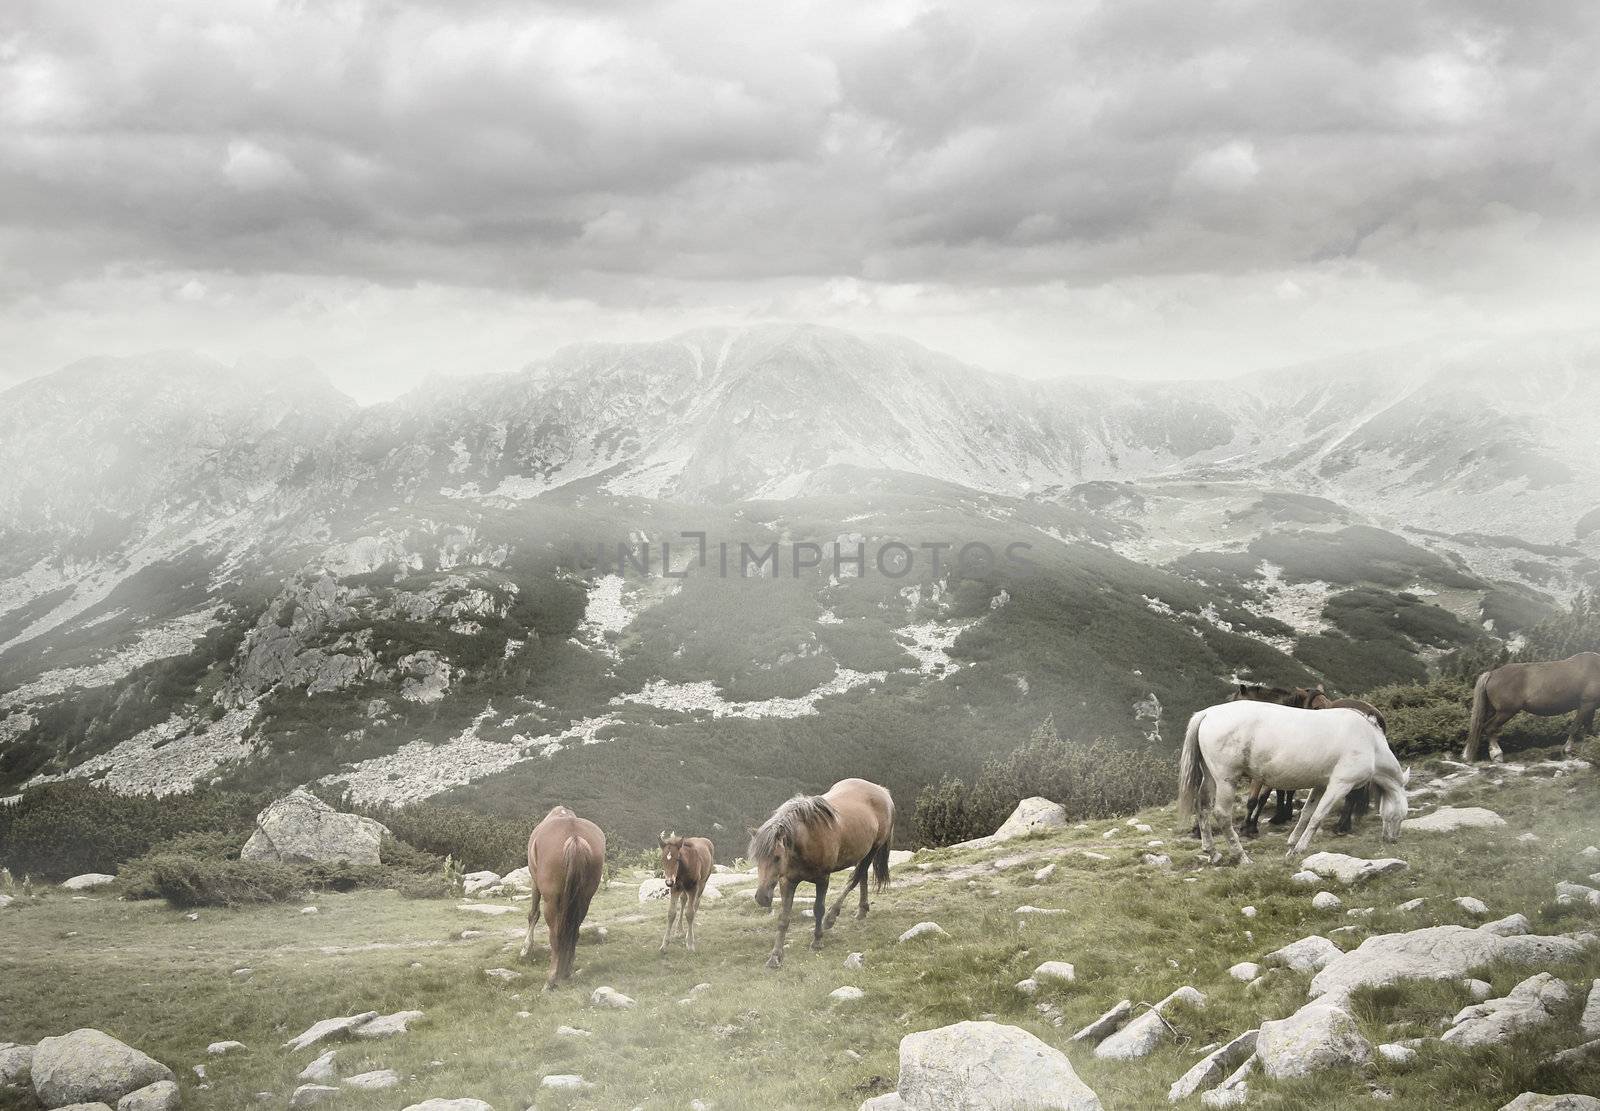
760	1039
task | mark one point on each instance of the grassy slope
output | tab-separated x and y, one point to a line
761	1040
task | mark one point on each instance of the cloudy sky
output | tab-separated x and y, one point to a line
401	188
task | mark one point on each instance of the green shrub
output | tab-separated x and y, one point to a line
477	841
1097	780
186	880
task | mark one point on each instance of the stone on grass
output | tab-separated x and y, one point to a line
492	910
310	1095
1157	860
1396	1053
163	1095
375	1081
1590	1022
1532	1003
88	1065
1326	900
889	1101
1030	986
1448	819
1533	1101
88	881
302	829
1351	869
564	1082
1045	873
1059	972
474	882
1248	912
1478	989
1472	905
604	996
1578	1056
1105	1024
1569	893
321	1069
984	1066
1245	971
328	1028
1214	1067
387	1026
653	888
1032	814
846	994
1318	1036
217	1049
572	1032
518	879
1512	925
458	1104
1309	954
1411	904
1306	879
1435	953
502	974
1026	909
855	961
924	930
16	1066
1141	1036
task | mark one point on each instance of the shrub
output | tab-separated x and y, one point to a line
188	880
1097	780
477	841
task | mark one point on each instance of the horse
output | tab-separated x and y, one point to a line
1330	752
686	862
1543	689
1283	812
810	837
1359	801
566	856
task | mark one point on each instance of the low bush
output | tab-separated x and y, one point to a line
189	880
478	841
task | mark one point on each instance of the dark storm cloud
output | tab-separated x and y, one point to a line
582	148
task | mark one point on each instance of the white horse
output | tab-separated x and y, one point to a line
1330	751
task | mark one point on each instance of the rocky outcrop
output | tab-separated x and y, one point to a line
89	1065
1032	814
1140	1037
1533	1101
1448	819
424	677
328	1028
302	829
16	1066
1320	1035
88	881
1434	953
163	1095
1350	870
1306	955
985	1066
1215	1067
1532	1003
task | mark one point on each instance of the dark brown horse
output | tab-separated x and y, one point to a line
686	864
810	837
1543	689
566	857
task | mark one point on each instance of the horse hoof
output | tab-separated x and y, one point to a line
861	914
774	962
1244	858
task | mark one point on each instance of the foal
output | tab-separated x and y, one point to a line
686	862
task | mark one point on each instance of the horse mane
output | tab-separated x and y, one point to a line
802	810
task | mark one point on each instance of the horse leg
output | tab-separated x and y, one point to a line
1582	726
553	919
1204	815
1337	790
817	909
533	918
672	913
1305	817
785	907
857	879
1224	810
1490	731
1253	807
1283	811
1347	816
694	908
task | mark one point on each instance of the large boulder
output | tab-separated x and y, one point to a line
302	829
88	881
87	1065
1032	814
1532	1003
1318	1036
1351	869
1448	819
984	1066
1589	1023
16	1066
1434	953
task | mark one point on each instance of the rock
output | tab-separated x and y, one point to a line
984	1066
1478	989
1248	912
923	930
1225	1097
1030	986
163	1095
889	1101
1214	1067
475	882
321	1069
1326	900
1059	972
1399	1054
302	829
653	888
1306	879
1245	971
1032	814
1045	873
503	974
88	1065
310	1095
564	1082
309	910
217	1049
1306	955
1360	912
16	1066
1472	906
1512	925
328	1028
1590	1022
1533	1101
493	910
1530	1004
1026	909
1447	819
855	961
374	1081
1350	870
387	1026
1590	852
1140	1037
1157	860
572	1032
1320	1035
1579	1056
1570	893
1411	904
1434	953
88	881
518	879
610	997
1105	1024
846	994
437	1104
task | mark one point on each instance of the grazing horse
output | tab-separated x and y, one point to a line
810	837
1283	812
1330	752
686	862
566	856
1543	689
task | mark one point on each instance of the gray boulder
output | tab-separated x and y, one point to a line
1590	1022
16	1066
310	1095
1215	1067
328	1028
1533	1101
1351	869
1032	814
1306	955
1434	953
1532	1003
387	1026
321	1070
96	1106
88	881
1320	1035
163	1095
375	1081
302	829
984	1066
1448	819
89	1065
1105	1024
1141	1036
437	1104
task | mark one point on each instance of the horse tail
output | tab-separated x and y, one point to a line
576	893
880	855
1480	714
1191	768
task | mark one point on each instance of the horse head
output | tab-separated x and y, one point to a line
671	857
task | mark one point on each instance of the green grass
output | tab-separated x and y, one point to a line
759	1039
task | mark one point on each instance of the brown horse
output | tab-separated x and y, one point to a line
809	838
566	856
1543	689
686	863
